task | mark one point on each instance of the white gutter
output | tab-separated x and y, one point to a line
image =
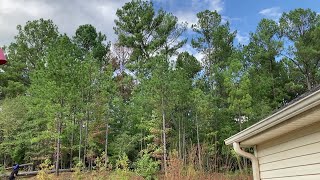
254	160
288	112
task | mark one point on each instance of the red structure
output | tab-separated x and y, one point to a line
3	59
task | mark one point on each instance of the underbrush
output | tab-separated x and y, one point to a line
145	168
177	171
129	175
44	167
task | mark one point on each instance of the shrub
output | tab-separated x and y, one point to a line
78	171
44	167
2	170
122	171
147	167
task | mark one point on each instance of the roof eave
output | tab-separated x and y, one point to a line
288	112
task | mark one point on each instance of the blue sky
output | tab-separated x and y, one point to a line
243	15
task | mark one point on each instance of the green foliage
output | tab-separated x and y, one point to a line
214	39
2	170
299	27
100	163
147	32
89	40
189	64
122	162
116	104
12	123
122	169
79	174
25	55
44	167
146	166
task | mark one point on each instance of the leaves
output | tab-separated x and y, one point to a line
146	96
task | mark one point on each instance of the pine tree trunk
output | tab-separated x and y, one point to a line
58	147
80	139
142	138
164	139
141	141
240	120
198	140
61	161
184	144
86	138
71	150
180	154
308	82
72	141
88	119
215	153
106	147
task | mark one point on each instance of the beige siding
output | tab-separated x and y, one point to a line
294	156
304	177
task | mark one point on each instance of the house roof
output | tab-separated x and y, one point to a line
300	112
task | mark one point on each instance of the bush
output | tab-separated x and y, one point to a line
147	167
123	162
101	165
100	170
122	171
77	171
44	167
2	170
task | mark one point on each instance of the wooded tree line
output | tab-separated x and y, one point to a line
74	98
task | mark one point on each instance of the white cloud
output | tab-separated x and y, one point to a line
212	5
13	13
216	5
242	38
200	57
190	15
67	15
188	48
273	13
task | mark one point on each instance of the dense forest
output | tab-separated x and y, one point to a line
141	101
